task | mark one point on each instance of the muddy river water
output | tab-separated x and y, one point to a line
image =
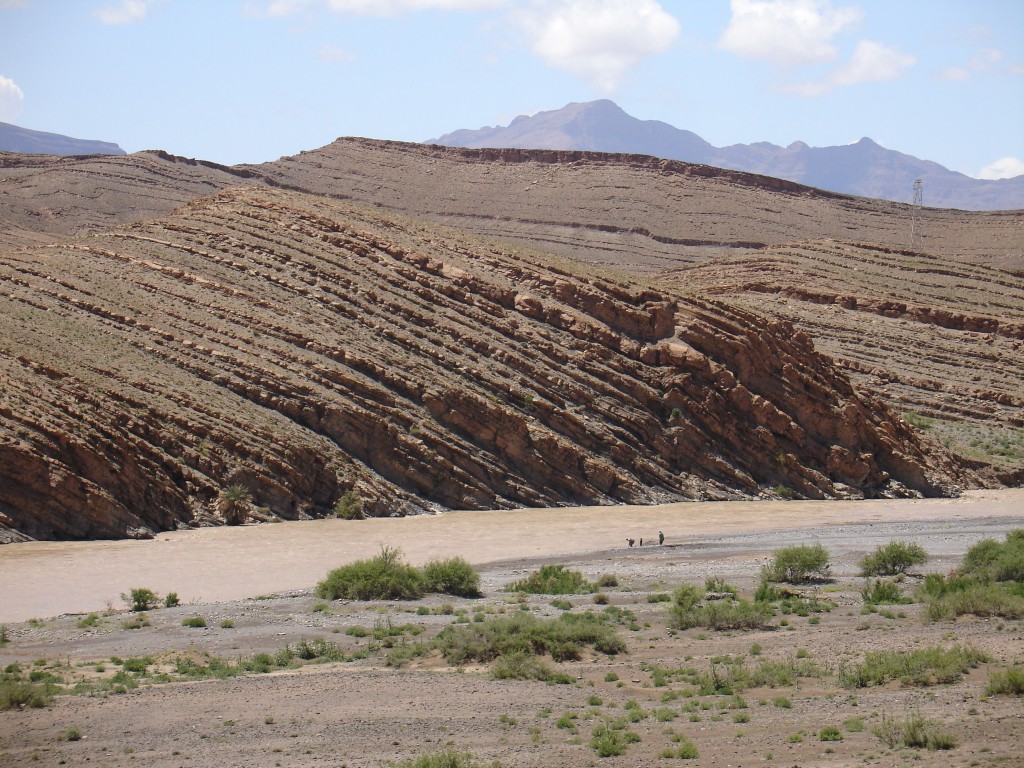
41	579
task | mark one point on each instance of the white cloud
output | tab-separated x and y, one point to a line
1003	168
332	54
871	63
786	32
599	40
11	99
126	12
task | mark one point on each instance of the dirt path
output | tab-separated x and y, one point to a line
39	579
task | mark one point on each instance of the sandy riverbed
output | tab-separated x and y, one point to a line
214	564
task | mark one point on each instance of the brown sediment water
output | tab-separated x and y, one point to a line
40	579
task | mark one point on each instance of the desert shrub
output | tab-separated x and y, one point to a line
171	600
233	503
911	731
141	599
687	750
562	638
4	639
349	507
88	621
601	599
882	592
830	733
925	666
518	665
446	759
988	560
659	597
384	577
607	580
607	741
17	694
71	733
718	586
454	576
892	559
799	564
193	621
958	597
740	614
1009	682
552	580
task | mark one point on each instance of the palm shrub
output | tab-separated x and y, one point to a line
892	559
798	564
233	504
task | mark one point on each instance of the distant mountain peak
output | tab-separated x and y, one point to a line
14	138
864	168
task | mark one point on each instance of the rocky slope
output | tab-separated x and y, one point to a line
308	348
43	198
629	212
939	340
863	168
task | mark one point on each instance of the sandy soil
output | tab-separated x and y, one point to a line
363	713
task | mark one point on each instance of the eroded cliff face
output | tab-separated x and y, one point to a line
306	348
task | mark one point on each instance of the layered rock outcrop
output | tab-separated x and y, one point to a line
308	348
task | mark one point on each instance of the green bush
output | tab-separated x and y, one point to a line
454	576
740	614
611	742
882	592
384	577
1010	682
16	694
349	507
193	621
141	599
799	564
958	597
552	580
687	750
892	559
562	638
830	733
926	666
988	560
171	600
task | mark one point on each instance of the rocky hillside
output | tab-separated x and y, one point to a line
864	168
941	341
309	348
629	212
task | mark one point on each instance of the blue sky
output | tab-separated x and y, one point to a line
252	80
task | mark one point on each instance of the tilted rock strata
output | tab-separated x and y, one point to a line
307	348
932	336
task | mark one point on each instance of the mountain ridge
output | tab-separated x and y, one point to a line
864	168
14	138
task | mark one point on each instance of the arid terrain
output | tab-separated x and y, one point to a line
364	712
423	328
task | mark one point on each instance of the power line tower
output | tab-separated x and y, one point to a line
916	225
